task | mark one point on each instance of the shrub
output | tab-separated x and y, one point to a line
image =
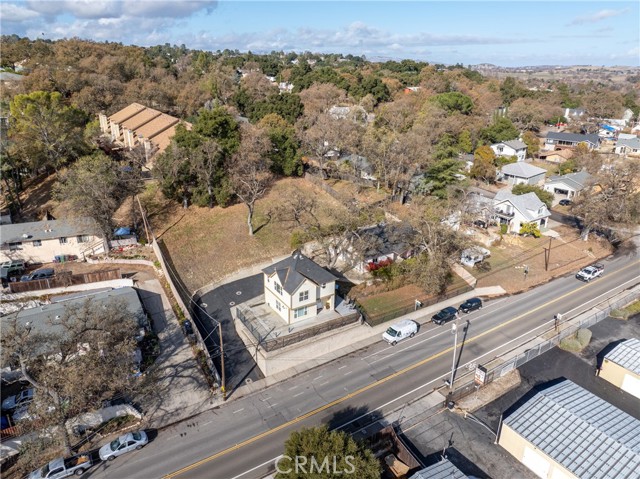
503	229
570	343
530	229
584	337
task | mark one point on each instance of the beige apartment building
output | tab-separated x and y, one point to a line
48	241
621	366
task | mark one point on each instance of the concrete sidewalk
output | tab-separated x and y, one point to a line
180	389
361	337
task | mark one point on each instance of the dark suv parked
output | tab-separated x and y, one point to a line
470	304
445	315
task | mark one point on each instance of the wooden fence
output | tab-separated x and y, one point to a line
63	279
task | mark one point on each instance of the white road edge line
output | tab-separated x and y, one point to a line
257	467
239	410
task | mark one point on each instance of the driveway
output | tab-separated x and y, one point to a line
179	389
240	365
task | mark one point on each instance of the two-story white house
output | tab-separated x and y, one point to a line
298	289
46	241
510	148
515	210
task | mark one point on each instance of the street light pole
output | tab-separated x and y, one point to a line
223	386
454	330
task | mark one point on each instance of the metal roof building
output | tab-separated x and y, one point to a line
621	366
442	470
566	431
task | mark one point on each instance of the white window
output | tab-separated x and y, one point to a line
278	305
63	240
278	288
83	238
15	246
300	312
304	296
37	242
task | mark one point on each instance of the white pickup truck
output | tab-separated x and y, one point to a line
59	468
590	272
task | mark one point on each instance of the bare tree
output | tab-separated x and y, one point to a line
73	361
249	169
611	200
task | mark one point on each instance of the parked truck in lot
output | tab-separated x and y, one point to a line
590	272
59	468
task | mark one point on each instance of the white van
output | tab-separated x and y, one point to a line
399	331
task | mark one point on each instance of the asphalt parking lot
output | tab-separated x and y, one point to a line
470	445
239	364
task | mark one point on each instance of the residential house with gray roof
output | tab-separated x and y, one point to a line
556	139
567	186
444	469
565	431
628	146
516	210
522	173
298	289
510	148
44	241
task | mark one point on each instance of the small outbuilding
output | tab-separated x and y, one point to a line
444	469
621	366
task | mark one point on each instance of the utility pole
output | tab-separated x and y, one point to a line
454	330
547	255
223	386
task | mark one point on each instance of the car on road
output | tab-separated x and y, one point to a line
565	202
128	442
446	314
23	398
399	331
61	467
470	304
590	272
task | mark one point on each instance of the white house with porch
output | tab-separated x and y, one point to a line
628	146
510	148
51	241
567	186
516	210
297	289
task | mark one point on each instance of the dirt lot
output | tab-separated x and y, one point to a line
208	244
568	254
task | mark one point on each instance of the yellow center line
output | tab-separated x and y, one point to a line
372	385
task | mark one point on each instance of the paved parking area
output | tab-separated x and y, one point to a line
470	445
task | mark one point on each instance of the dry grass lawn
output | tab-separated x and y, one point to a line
568	254
207	245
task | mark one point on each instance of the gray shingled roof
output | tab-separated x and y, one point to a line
442	470
627	355
41	317
633	143
45	230
515	144
573	137
522	170
585	434
292	272
575	180
528	204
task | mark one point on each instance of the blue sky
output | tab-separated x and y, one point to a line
507	33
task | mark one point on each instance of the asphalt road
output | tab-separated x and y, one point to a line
241	438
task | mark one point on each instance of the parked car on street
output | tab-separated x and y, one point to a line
23	398
590	272
565	202
447	314
399	331
470	304
59	468
128	442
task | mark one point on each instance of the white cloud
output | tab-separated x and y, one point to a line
597	16
15	13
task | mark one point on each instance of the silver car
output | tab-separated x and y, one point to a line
125	443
